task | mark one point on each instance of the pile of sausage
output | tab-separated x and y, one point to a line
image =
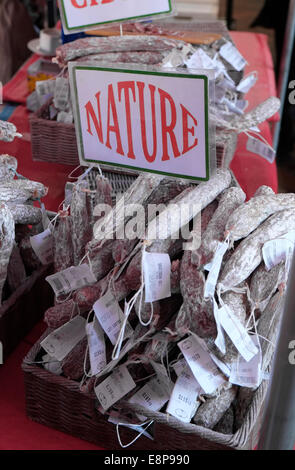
19	220
154	51
244	284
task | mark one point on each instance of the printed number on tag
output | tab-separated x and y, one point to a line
71	279
157	272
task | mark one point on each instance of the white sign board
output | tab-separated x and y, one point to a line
82	15
148	121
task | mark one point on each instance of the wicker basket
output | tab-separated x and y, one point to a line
53	141
24	308
58	403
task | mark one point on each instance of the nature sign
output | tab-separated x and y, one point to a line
144	120
82	15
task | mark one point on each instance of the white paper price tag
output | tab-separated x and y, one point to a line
157	272
201	60
110	316
229	52
247	83
153	396
60	342
261	149
115	387
45	89
201	364
220	339
71	279
227	83
247	374
97	348
183	402
237	333
61	93
42	245
215	266
275	251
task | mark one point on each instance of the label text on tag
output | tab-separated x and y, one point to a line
261	149
110	316
115	387
157	271
237	333
183	401
42	245
71	279
153	395
201	364
60	342
247	374
277	250
97	349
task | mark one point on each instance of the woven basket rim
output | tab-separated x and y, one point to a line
26	286
237	440
34	118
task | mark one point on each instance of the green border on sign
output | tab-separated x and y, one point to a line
141	72
74	28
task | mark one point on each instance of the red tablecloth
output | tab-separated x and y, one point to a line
16	431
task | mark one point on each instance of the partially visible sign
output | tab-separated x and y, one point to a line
81	15
145	120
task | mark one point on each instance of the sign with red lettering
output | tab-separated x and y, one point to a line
82	15
144	120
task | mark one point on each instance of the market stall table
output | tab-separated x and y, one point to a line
18	432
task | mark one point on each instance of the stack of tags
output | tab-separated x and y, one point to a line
56	93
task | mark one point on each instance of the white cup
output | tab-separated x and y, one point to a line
50	39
